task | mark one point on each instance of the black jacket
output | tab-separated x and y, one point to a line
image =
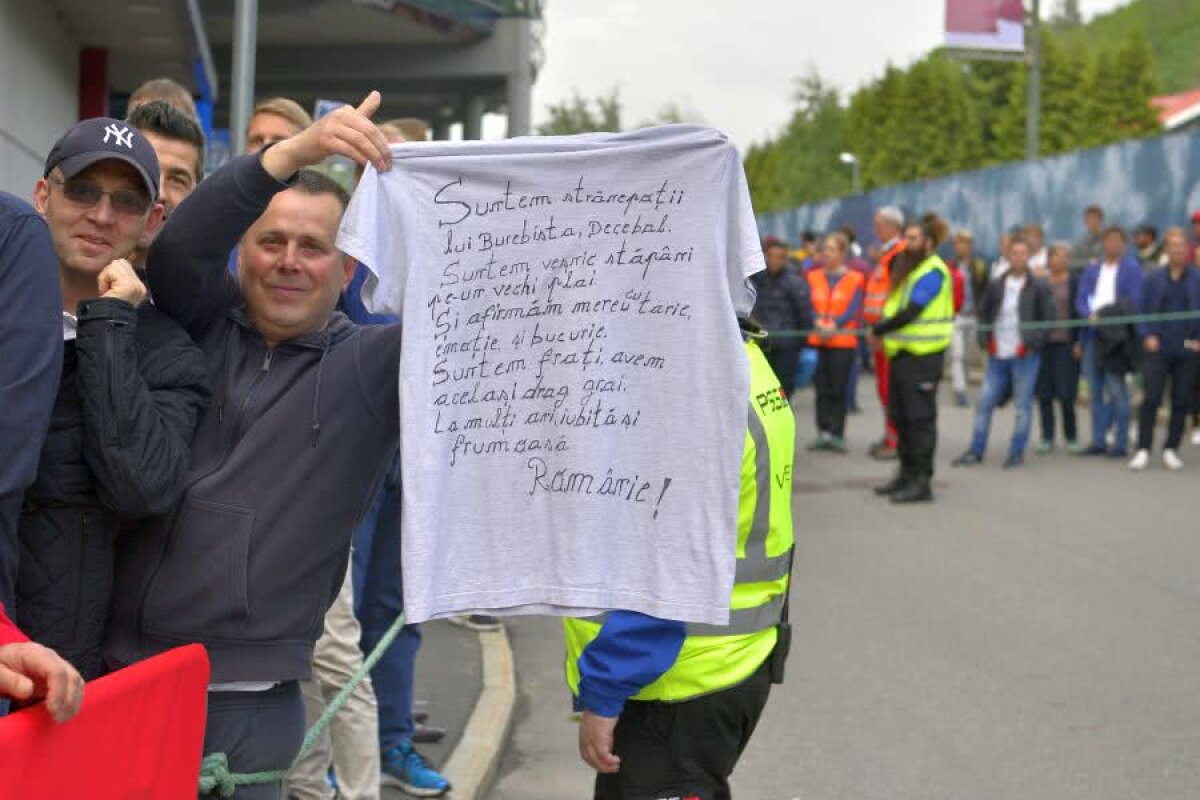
782	304
131	391
1036	304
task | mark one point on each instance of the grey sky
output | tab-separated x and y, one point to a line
730	61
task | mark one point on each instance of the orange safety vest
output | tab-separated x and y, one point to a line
829	304
879	285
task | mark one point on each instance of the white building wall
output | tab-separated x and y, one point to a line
39	89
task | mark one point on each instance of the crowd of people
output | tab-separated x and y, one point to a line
200	445
1122	316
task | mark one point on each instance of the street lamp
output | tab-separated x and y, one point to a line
855	176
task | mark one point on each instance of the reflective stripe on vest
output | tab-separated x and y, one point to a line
714	657
933	329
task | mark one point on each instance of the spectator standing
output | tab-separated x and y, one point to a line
273	121
1058	376
1150	251
889	224
1171	349
837	296
249	520
782	305
1090	248
1000	265
1111	286
1035	235
975	279
179	144
163	90
1010	302
132	388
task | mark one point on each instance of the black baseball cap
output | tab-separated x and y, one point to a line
101	138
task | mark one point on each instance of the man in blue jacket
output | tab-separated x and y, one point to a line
1113	284
1171	349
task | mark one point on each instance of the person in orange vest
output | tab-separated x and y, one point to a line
889	222
837	297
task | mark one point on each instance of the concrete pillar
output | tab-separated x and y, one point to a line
241	96
520	81
473	118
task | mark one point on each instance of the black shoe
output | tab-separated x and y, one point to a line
1094	450
918	491
891	487
428	734
967	459
420	717
1012	462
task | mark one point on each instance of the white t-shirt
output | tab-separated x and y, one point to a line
1106	287
1008	321
574	388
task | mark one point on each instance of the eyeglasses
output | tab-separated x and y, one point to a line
88	192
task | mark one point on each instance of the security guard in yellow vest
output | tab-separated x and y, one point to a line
916	329
669	707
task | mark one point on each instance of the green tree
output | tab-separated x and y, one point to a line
1135	117
1104	98
580	115
1064	98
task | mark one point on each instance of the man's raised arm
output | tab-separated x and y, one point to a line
187	263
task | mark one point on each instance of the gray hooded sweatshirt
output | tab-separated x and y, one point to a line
284	464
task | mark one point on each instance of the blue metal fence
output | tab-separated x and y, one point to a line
1148	180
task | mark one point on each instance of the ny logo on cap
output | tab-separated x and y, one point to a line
123	135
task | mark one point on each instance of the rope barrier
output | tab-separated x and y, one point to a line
215	776
1133	319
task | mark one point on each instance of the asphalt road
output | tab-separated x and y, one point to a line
1032	634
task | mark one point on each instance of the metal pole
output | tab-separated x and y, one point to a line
1033	114
241	96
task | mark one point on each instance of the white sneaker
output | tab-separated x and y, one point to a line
1196	437
1141	460
1171	460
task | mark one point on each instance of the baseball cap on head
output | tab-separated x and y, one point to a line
99	139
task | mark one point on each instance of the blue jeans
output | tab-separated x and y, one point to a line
378	600
1109	398
1004	375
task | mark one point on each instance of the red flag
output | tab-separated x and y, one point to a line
139	736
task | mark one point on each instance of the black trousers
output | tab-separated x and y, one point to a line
686	749
1058	381
784	357
834	365
259	731
912	405
1182	370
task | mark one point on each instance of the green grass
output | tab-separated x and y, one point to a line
1173	27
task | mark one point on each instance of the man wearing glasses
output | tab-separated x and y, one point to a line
131	390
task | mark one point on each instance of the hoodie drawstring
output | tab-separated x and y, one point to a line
316	409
